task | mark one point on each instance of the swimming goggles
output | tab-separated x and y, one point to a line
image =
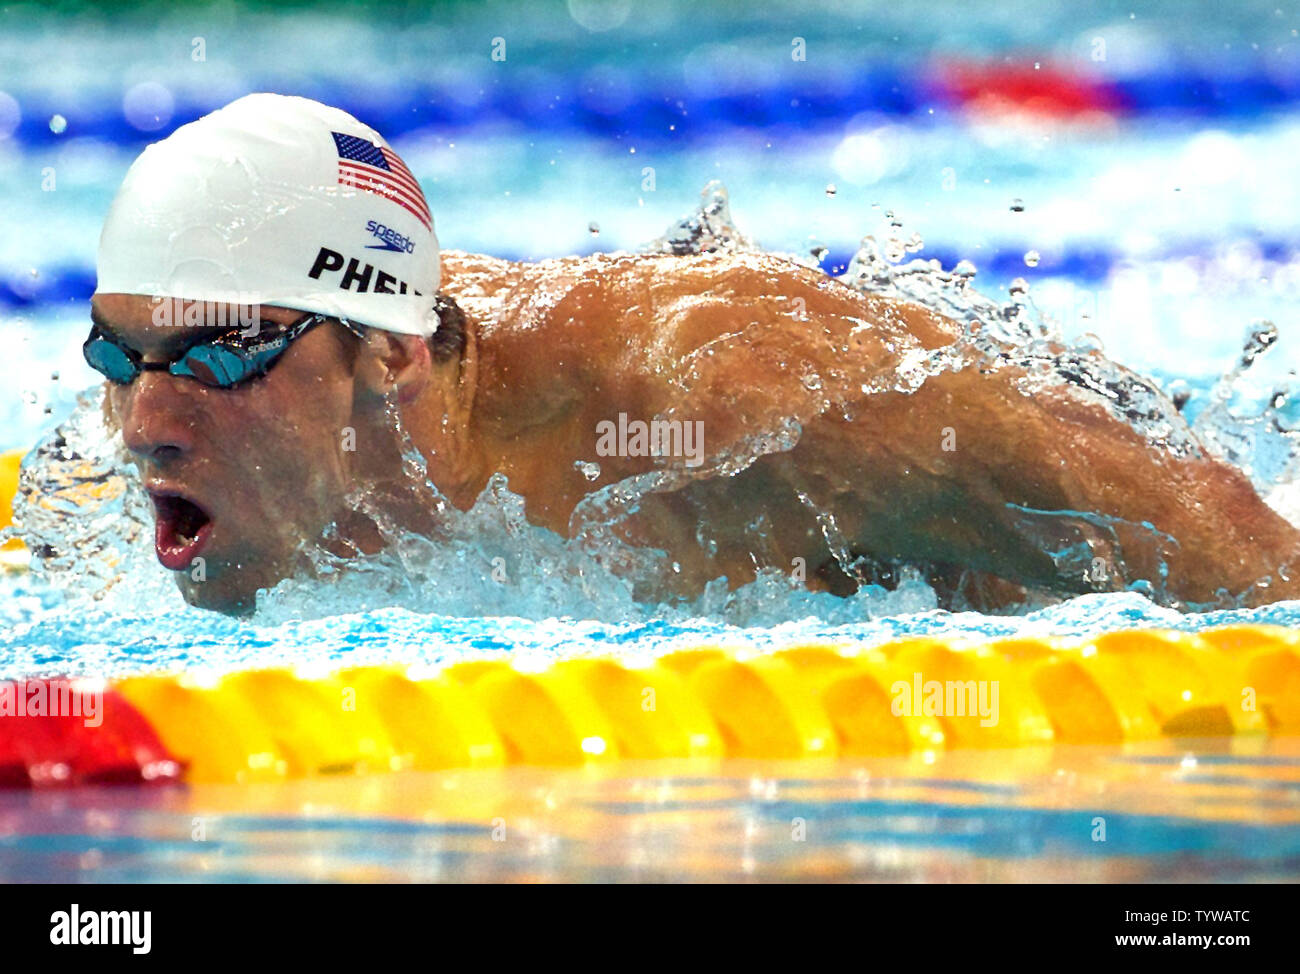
224	362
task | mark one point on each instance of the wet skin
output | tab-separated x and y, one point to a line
742	345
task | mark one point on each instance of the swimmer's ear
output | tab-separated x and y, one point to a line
391	362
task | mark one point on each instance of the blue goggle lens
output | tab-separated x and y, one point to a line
110	361
213	365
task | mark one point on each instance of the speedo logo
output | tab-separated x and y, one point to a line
356	276
273	343
392	240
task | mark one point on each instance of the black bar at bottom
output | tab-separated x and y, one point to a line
332	923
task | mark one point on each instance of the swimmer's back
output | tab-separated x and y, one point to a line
584	337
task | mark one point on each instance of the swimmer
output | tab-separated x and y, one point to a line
271	300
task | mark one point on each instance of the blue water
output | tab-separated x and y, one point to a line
1156	814
1166	231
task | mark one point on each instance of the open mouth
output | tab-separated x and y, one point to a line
182	529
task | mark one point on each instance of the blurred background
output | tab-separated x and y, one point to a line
1134	163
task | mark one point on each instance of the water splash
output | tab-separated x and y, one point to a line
1242	423
708	230
84	515
1014	334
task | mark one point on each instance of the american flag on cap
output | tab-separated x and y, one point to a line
376	169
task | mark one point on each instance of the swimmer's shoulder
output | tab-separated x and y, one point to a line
604	306
766	292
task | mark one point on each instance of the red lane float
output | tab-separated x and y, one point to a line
993	89
77	732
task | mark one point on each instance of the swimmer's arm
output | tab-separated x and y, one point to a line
967	468
975	465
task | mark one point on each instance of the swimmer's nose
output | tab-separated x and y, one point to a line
153	418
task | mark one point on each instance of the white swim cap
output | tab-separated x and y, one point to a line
276	200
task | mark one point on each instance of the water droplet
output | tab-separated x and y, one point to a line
588	468
54	377
593	228
1261	338
894	250
1018	288
58	124
914	243
819	253
1017	206
34	273
1089	343
830	189
29	397
1031	258
964	269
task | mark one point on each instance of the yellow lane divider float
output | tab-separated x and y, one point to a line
910	696
12	552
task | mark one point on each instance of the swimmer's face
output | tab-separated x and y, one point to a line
239	477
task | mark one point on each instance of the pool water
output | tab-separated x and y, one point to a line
1146	198
1191	812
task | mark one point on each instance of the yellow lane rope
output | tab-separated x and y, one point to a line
808	701
12	553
